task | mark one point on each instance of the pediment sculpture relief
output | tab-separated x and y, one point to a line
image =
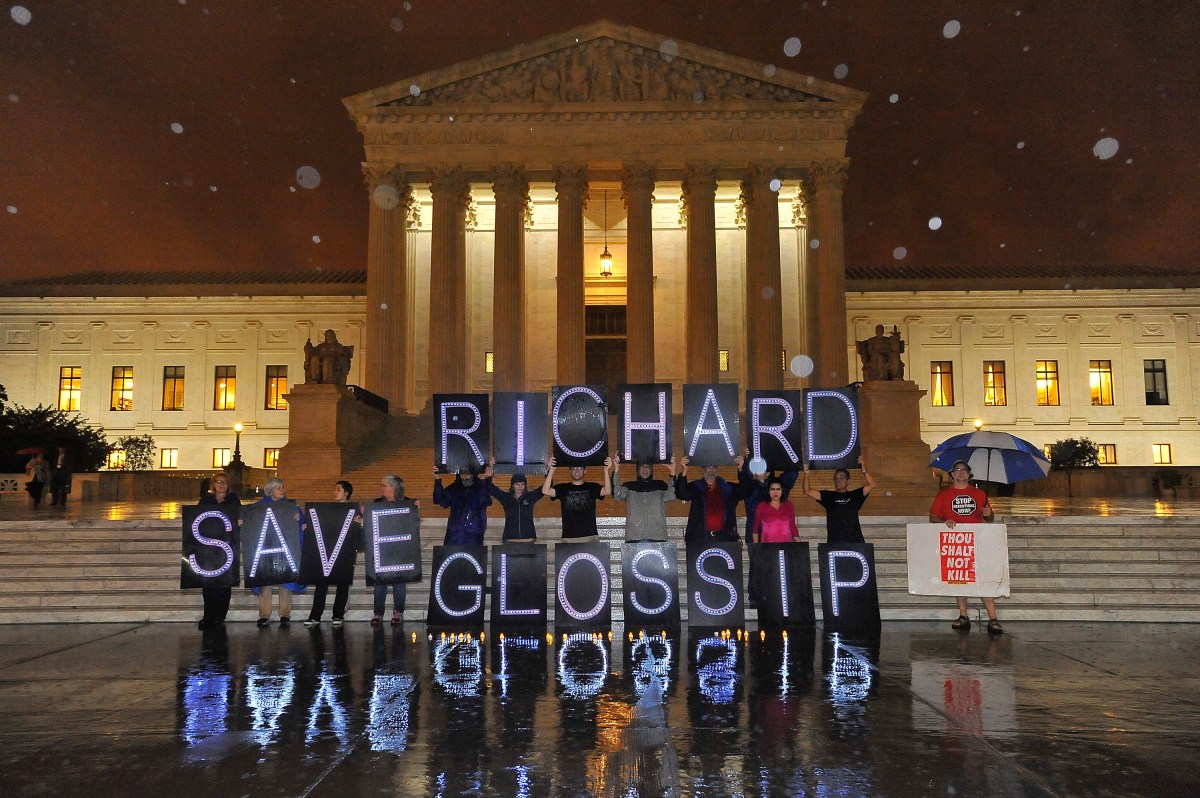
605	70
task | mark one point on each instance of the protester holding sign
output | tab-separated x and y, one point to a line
754	488
467	499
646	499
775	519
713	514
273	492
578	500
842	504
518	502
342	491
961	502
393	491
216	597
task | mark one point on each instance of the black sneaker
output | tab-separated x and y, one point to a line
284	622
263	622
338	622
311	622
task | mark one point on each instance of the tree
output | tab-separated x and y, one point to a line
47	428
139	452
1072	453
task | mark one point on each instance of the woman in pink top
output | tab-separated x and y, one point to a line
775	520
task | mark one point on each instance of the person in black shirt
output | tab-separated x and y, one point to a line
342	491
518	502
842	504
578	502
216	598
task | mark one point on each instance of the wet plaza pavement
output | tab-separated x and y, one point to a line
1068	709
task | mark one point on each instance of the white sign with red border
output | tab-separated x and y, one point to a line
968	560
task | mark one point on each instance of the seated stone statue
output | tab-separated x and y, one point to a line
327	363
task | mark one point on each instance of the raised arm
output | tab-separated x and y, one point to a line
440	497
869	482
806	486
547	489
606	487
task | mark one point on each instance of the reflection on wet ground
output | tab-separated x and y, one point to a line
161	710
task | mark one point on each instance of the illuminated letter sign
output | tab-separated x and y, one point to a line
831	428
710	423
519	585
393	550
650	585
461	433
714	583
519	431
274	530
644	417
210	547
849	597
327	551
459	577
776	434
783	580
581	586
579	425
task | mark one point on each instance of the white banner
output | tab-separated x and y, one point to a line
968	560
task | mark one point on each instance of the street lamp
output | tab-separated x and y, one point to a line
236	468
978	424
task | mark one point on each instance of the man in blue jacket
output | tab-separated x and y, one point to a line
467	498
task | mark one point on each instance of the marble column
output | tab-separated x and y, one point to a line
508	294
570	181
699	196
764	305
637	189
827	287
448	282
387	371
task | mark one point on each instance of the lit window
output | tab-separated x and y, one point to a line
277	386
941	383
1107	453
70	386
1162	453
1047	383
172	388
225	388
270	458
1100	378
1048	451
489	362
122	388
995	391
221	458
168	458
115	460
1156	381
723	359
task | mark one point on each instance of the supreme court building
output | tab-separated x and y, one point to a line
714	184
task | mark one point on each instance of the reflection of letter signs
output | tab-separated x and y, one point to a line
710	400
582	615
476	589
715	580
834	584
378	540
328	561
554	420
465	432
783	582
650	580
758	429
204	541
659	426
269	520
504	610
809	396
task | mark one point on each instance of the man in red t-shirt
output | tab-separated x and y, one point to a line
968	504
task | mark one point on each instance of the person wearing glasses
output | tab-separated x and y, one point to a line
961	502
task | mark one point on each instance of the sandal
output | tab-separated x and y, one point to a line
994	627
962	624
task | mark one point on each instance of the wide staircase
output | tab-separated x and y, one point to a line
1062	569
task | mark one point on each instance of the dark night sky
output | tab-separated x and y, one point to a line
993	130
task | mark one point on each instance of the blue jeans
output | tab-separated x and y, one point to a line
399	593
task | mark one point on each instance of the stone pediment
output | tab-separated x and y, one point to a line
599	64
